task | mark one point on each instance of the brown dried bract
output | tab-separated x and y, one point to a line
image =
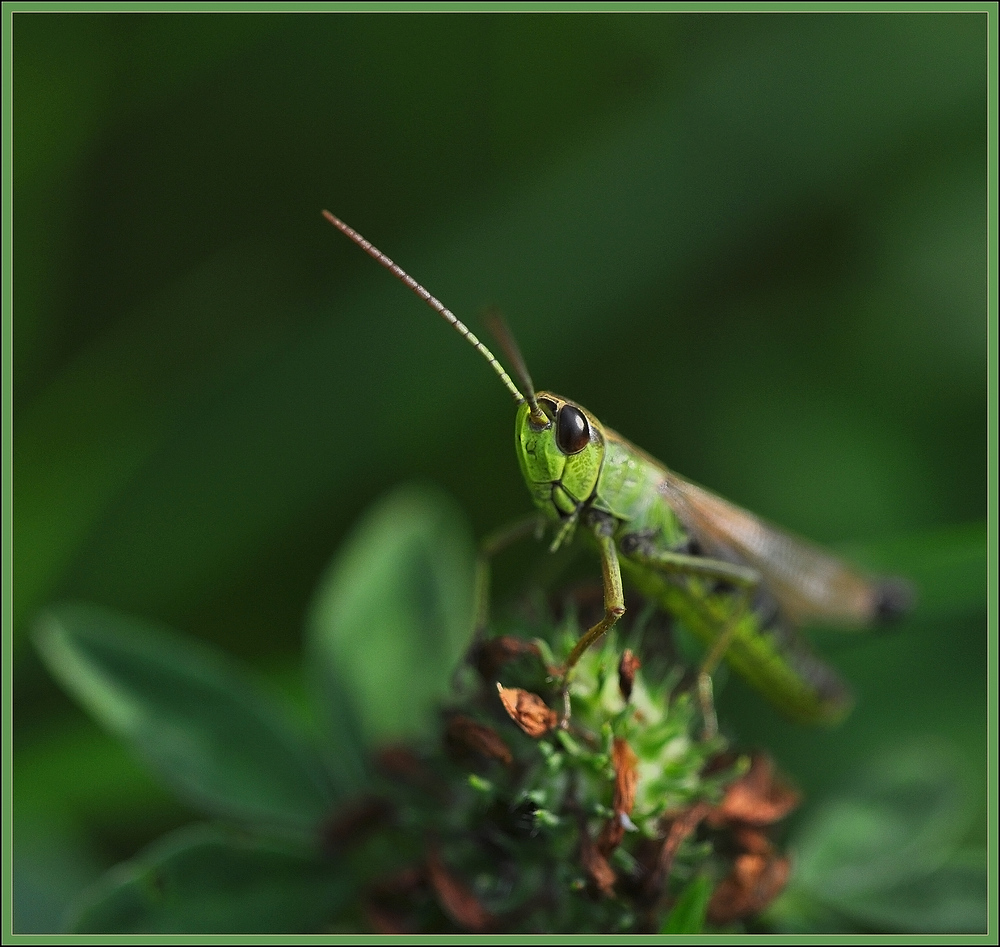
758	797
626	765
755	881
383	921
527	710
681	826
627	667
759	873
355	822
464	735
489	656
611	835
401	763
600	874
456	900
388	904
750	838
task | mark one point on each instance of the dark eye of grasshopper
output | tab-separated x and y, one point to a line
572	430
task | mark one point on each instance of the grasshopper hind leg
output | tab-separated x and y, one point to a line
742	582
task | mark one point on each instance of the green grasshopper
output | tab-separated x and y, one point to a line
742	585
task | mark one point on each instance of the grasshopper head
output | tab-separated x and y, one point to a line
561	459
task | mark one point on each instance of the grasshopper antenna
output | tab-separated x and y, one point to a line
500	331
441	309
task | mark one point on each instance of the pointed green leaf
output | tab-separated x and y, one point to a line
210	879
687	916
393	614
195	718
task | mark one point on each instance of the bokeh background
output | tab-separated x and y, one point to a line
752	243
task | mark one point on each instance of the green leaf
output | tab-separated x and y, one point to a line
209	879
888	855
902	821
393	615
195	718
688	915
951	899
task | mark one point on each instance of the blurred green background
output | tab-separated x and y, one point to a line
754	244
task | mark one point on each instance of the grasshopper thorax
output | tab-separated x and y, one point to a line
561	460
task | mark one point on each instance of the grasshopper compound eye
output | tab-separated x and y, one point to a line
572	430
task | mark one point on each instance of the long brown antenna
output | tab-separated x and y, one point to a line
433	302
500	331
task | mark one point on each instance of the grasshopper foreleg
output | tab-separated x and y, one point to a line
614	601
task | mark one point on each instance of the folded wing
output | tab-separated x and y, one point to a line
810	584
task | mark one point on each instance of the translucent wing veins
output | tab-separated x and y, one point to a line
810	584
